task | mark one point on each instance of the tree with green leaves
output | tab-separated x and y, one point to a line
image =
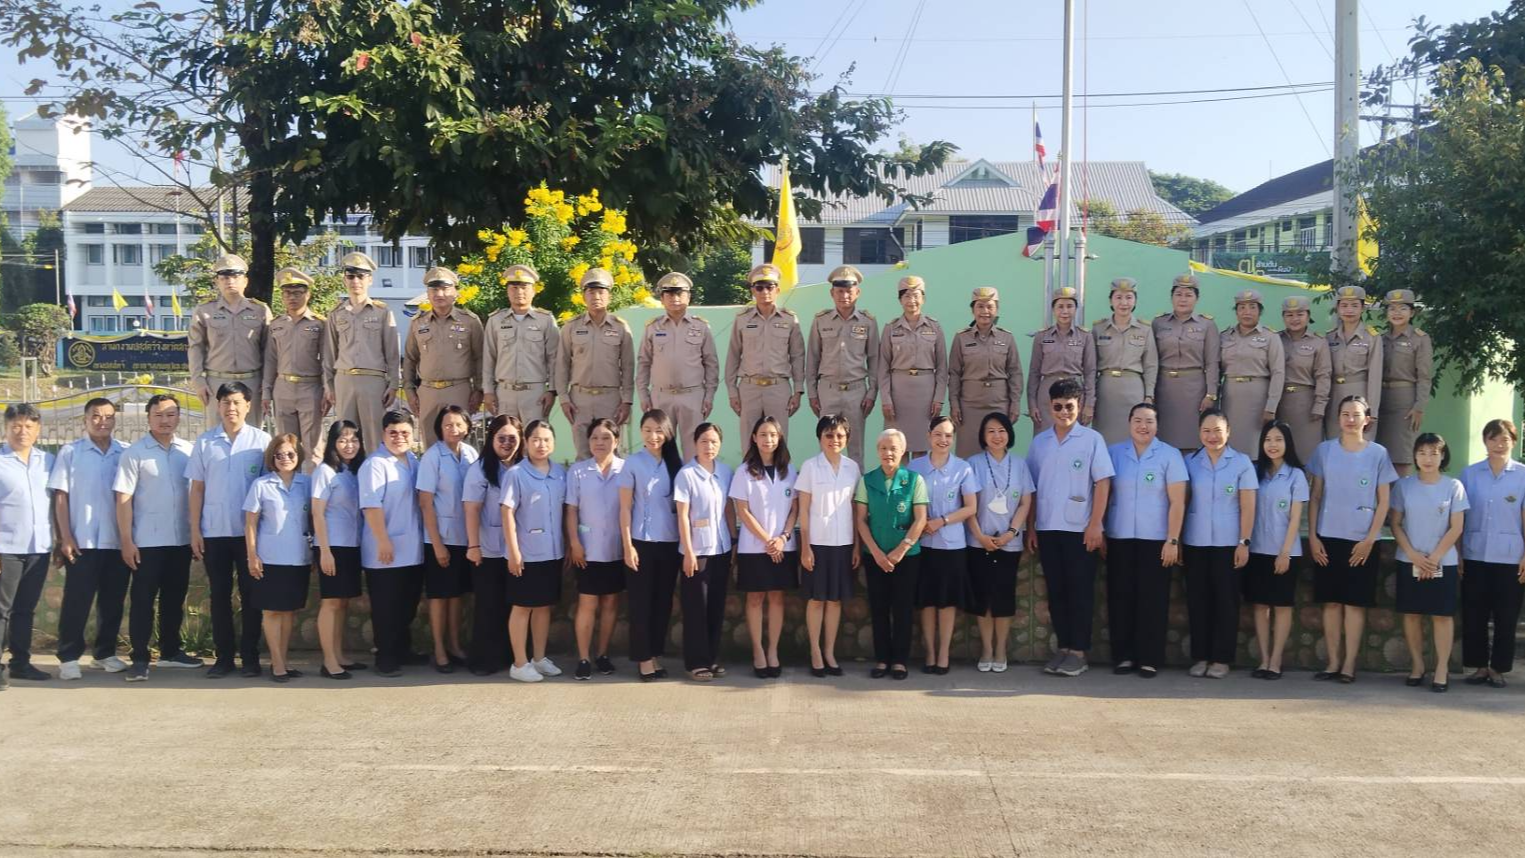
1495	41
191	272
1188	193
6	164
37	328
1140	225
720	275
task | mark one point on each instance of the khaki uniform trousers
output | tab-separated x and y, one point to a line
759	400
590	407
685	407
432	400
298	408
847	402
358	398
523	404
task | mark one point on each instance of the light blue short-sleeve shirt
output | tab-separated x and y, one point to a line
1427	509
386	483
652	516
1065	474
1212	513
26	509
536	500
86	472
768	498
153	475
1139	505
705	492
1273	510
1002	486
444	474
1349	501
340	493
226	467
1492	532
946	487
597	498
490	520
284	534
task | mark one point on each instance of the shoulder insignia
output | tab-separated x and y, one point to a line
1207	316
1163	316
1372	329
1418	332
377	302
787	312
825	312
868	315
622	323
1098	321
257	301
316	317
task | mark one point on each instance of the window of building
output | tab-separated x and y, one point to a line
127	228
351	229
812	246
1254	232
1307	222
387	256
127	254
164	229
1286	226
963	228
103	324
95	254
97	300
420	257
95	229
157	253
873	246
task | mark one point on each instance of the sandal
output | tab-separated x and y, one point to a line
1347	678
703	674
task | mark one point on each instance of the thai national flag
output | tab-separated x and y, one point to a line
1044	219
73	310
1038	149
148	303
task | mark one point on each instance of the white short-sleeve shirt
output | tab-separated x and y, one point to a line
831	498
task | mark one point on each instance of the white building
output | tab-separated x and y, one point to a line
52	169
970	200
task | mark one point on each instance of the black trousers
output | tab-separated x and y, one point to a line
226	564
100	577
891	605
394	600
1490	592
703	598
1138	601
489	616
21	580
1212	603
1069	570
163	575
649	604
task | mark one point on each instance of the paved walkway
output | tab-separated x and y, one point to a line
967	764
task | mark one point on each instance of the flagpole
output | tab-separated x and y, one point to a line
1063	241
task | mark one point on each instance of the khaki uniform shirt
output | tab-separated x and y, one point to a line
677	354
1410	356
1189	345
295	348
920	346
596	355
361	338
842	351
1131	348
765	346
991	356
1256	355
445	349
225	339
519	351
1055	355
1308	366
1360	353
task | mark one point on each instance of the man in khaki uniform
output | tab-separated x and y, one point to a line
1305	394
1254	373
519	365
1188	380
984	372
677	369
441	355
227	336
293	383
913	368
1127	362
360	353
595	365
765	364
842	358
1062	350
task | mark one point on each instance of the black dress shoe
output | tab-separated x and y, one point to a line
250	671
1322	675
294	673
660	673
417	658
1258	673
929	669
1477	679
761	672
899	673
388	672
818	672
942	669
775	671
324	672
1439	687
280	677
1122	670
455	660
649	677
482	671
834	670
447	667
1496	682
1271	674
28	672
359	665
1414	681
879	673
219	670
1147	673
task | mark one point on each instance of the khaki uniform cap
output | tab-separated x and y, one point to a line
845	272
1188	280
1344	292
1248	296
765	271
292	277
358	260
1402	296
230	262
521	273
1065	292
596	278
675	281
440	273
1296	302
1124	284
912	282
985	293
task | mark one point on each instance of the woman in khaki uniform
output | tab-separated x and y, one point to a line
1408	368
1188	383
1254	373
1062	350
984	372
1305	394
1127	362
913	372
1355	361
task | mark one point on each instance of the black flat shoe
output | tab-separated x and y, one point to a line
294	673
942	670
1477	679
328	674
1147	673
1414	681
389	672
879	673
1258	673
218	671
280	677
818	672
775	671
1496	682
929	669
660	673
649	677
447	667
1271	674
359	665
1122	670
250	671
1347	678
834	670
1439	687
899	673
760	672
456	660
482	671
1325	674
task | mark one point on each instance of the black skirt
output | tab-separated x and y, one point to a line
1262	586
757	573
345	582
1433	596
1340	582
447	582
832	578
944	578
993	582
283	588
538	587
601	578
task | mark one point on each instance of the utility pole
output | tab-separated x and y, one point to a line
1066	108
1347	126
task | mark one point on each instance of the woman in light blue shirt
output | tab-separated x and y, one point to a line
705	522
482	498
447	572
336	535
277	531
1220	518
593	546
1493	555
392	541
649	531
1005	496
533	497
1427	557
942	586
1270	579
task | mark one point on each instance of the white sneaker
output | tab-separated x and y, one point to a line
111	664
527	673
69	670
998	667
1198	670
546	667
983	667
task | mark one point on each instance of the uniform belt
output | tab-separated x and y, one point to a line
523	385
1049	375
1119	373
989	382
1293	388
357	371
237	376
843	385
443	383
912	371
302	379
763	380
592	391
1399	384
1177	373
679	389
1352	379
1244	378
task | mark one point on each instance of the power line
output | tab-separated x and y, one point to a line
1316	37
1119	104
1132	37
840	33
1140	93
1272	48
898	65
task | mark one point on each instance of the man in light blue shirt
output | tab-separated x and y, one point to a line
84	511
26	534
225	461
155	535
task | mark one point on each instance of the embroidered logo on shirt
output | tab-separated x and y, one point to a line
1510	499
1281	504
900	507
1149	476
788	492
1077	464
1228	490
1365	481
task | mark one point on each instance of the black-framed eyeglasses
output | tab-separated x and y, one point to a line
355	272
231	272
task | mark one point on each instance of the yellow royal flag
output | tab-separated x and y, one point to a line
117	300
1366	242
174	304
786	244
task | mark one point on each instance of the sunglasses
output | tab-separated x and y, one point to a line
355	272
1064	406
843	284
285	454
762	285
231	272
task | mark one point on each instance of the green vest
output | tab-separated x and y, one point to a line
889	510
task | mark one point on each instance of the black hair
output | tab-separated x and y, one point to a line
1001	418
753	462
939	420
1289	457
331	446
670	455
396	416
707	426
605	423
97	402
452	408
828	422
1211	412
228	388
158	398
1499	426
1065	388
1433	439
492	466
1142	406
22	411
1355	397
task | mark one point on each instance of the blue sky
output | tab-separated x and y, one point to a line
1003	47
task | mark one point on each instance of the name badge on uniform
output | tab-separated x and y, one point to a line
536	531
969	344
1259	341
1104	338
1403	344
860	332
897	333
752	326
788	492
1077	499
610	334
659	334
780	325
584	528
929	335
581	332
997	505
1360	345
1306	349
1049	341
423	329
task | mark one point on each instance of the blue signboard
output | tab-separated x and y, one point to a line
125	353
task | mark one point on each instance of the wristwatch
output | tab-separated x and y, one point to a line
1245	543
1011	531
1173	541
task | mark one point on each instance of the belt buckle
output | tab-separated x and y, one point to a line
1115	373
913	372
764	382
1339	379
847	386
1173	373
